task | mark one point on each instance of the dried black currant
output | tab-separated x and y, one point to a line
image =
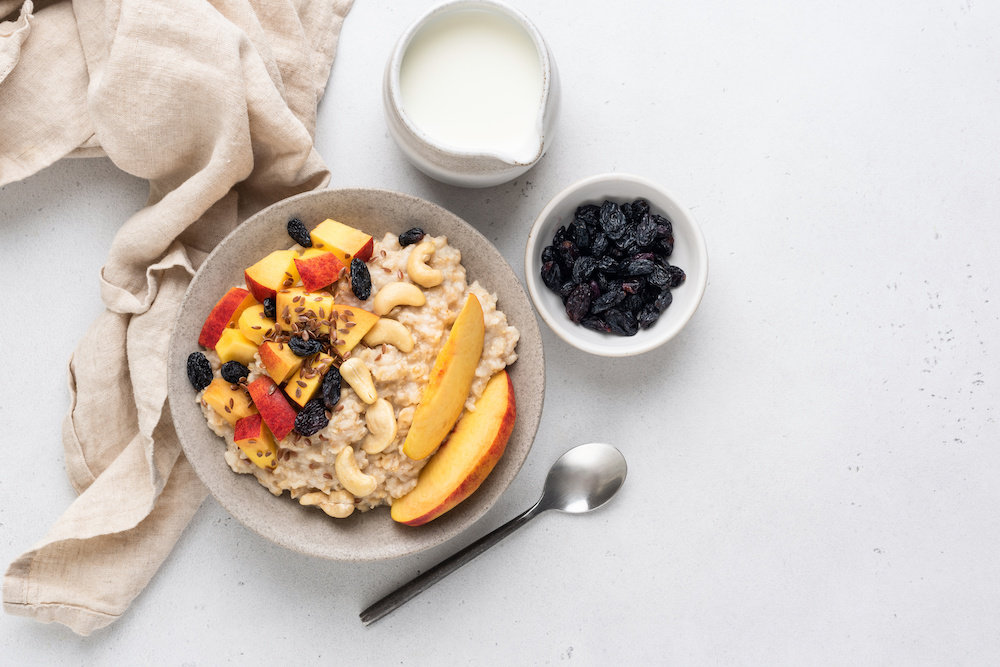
664	226
565	289
664	300
304	348
552	275
630	217
632	303
548	253
631	286
607	300
612	220
595	289
330	388
647	316
578	302
628	243
637	267
607	265
589	214
596	323
567	252
599	244
199	370
411	236
645	232
677	275
659	277
583	267
270	307
361	280
621	322
640	207
234	371
311	418
666	246
579	234
297	230
559	236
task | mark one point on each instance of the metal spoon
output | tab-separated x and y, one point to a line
583	479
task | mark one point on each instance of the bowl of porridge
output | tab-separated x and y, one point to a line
314	365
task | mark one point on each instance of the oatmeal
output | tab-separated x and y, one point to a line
383	374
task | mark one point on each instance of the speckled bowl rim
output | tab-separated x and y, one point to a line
372	535
690	253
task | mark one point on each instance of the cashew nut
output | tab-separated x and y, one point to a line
391	332
313	498
397	294
339	504
381	425
417	269
359	377
350	474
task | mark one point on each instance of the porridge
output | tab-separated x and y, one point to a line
315	390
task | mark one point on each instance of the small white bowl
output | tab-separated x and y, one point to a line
689	253
451	164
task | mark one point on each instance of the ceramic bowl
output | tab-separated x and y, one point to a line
370	535
689	253
451	164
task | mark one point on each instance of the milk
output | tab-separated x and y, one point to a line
472	80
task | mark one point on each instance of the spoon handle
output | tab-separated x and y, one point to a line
425	580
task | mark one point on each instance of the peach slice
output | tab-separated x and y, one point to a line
465	459
230	404
343	241
304	383
256	442
315	305
255	325
274	408
449	382
351	326
318	268
268	275
227	311
234	346
279	360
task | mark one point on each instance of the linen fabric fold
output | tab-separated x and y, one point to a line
215	104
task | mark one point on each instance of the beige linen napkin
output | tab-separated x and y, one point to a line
214	103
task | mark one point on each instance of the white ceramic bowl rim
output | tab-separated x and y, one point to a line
640	343
396	61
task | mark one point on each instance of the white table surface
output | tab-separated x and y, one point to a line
814	461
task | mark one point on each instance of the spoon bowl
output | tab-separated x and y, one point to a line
581	480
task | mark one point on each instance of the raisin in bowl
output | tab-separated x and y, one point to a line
615	265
